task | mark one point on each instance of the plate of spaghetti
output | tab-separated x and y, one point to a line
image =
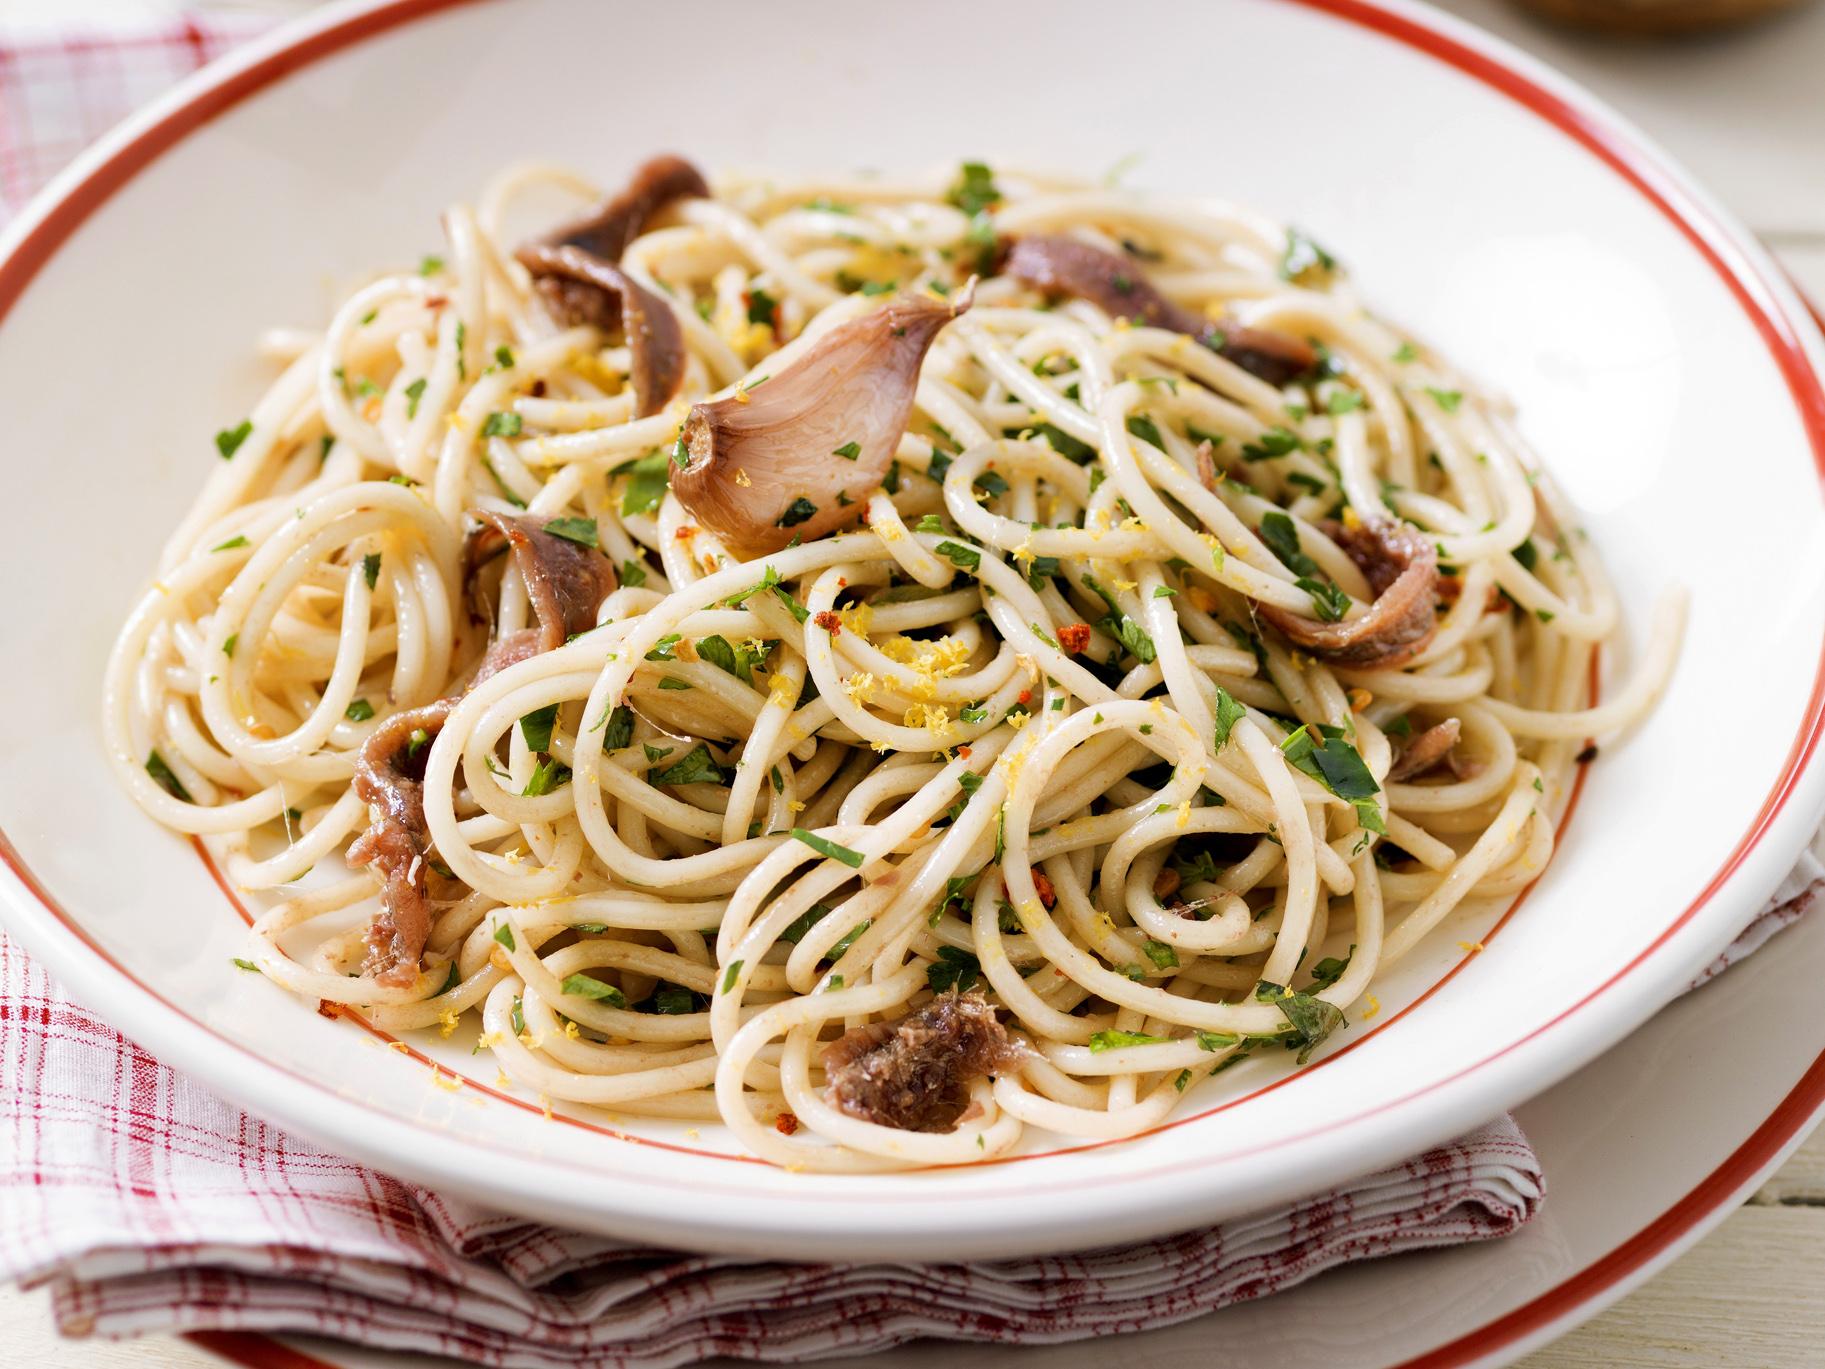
962	705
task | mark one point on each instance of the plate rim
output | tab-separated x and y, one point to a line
1755	863
1576	1299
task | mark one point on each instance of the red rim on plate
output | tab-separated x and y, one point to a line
1598	136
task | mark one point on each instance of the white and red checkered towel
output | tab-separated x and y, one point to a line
149	1205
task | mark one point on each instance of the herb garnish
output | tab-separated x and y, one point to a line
582	531
584	986
798	511
1339	767
825	847
165	778
1312	1019
229	440
953	969
1115	1040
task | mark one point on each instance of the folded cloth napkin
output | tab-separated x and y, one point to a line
149	1205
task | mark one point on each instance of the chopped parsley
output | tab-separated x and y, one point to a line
583	986
1329	970
673	1000
547	775
1304	261
1329	603
582	531
359	711
165	778
536	727
370	568
966	558
825	847
953	969
1339	767
1448	400
975	189
1120	626
1312	1019
800	510
646	484
1229	713
1065	445
1273	443
1115	1040
618	728
1282	539
499	424
1162	955
696	767
229	440
1146	429
849	451
414	392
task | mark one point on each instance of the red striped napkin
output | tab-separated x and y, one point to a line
149	1205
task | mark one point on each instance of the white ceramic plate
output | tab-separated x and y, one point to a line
1668	375
1617	1211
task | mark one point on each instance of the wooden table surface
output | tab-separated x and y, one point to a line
1745	112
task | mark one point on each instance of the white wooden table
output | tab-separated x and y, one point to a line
1746	113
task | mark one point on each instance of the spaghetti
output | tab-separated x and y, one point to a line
879	664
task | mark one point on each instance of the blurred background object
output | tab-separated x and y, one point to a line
1653	18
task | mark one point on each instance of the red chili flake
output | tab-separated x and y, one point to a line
842	582
1025	696
435	301
1074	637
1047	894
785	1124
1166	883
538	389
964	752
829	622
329	1010
685	533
